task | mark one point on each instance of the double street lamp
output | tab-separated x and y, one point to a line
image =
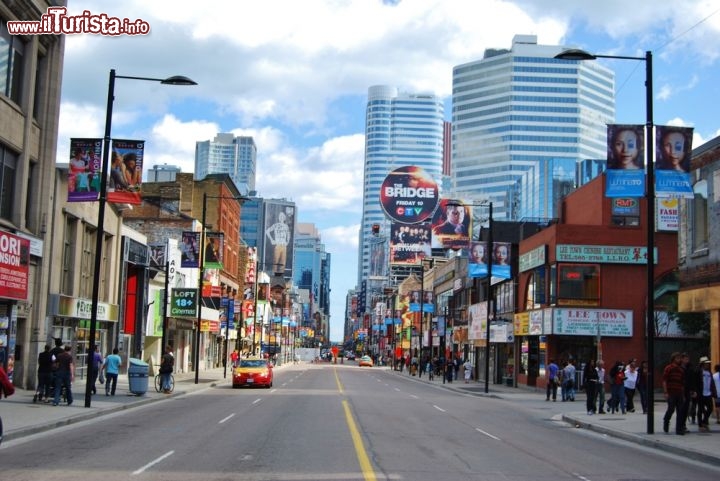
575	54
102	200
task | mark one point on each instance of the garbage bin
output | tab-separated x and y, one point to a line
138	376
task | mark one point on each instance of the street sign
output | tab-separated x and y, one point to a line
183	302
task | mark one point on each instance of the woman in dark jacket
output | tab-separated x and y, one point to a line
590	379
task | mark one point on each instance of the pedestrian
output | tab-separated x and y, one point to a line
617	388
167	366
552	380
568	383
468	370
602	379
234	356
690	398
44	374
642	385
673	382
111	367
590	379
630	383
97	361
706	394
430	369
456	365
450	370
716	381
64	376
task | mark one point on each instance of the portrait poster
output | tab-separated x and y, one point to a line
477	259
625	175
672	164
501	260
213	252
126	166
190	250
279	238
84	170
451	224
409	244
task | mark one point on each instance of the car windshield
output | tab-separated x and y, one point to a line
252	363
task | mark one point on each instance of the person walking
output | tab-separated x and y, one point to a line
617	388
630	383
568	381
689	407
716	381
97	361
602	379
552	380
706	394
64	376
467	366
167	366
44	374
642	385
673	382
111	367
591	380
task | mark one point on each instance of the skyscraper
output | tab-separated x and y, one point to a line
227	154
522	121
401	129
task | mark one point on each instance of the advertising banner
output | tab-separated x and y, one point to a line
126	167
14	263
183	302
672	169
668	214
587	322
451	224
190	250
625	176
85	170
409	244
409	195
214	247
279	235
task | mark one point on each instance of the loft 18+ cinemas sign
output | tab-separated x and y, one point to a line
409	195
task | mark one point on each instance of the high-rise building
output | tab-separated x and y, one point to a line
311	269
401	129
228	154
521	123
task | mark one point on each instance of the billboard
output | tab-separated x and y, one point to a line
278	239
625	174
84	170
409	244
451	225
409	195
126	171
672	168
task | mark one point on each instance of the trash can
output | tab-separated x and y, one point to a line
138	376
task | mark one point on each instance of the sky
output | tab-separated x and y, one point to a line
295	75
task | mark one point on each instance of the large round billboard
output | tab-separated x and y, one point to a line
409	195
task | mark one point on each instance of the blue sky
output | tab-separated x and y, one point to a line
295	75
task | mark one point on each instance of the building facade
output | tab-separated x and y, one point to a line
228	154
521	121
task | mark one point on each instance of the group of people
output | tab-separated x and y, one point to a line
691	393
56	372
435	366
624	380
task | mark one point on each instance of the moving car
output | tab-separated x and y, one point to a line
253	372
365	361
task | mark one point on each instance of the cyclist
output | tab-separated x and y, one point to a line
166	368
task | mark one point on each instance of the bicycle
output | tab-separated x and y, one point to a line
158	383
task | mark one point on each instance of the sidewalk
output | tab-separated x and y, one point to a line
630	427
21	417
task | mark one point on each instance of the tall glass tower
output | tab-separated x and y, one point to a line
522	122
401	129
227	154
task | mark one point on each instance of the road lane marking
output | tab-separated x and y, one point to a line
414	396
363	459
487	434
438	408
152	463
337	381
257	400
226	419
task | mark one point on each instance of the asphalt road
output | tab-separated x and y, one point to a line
322	422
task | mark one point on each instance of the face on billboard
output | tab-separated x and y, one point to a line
409	195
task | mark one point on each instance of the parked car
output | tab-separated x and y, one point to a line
365	361
350	356
253	372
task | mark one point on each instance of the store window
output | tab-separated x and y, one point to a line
8	164
579	284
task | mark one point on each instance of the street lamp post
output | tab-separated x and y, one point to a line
575	54
102	200
487	296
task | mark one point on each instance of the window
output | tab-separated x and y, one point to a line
12	50
87	262
698	216
8	163
68	256
579	284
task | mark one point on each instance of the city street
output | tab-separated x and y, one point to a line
338	422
